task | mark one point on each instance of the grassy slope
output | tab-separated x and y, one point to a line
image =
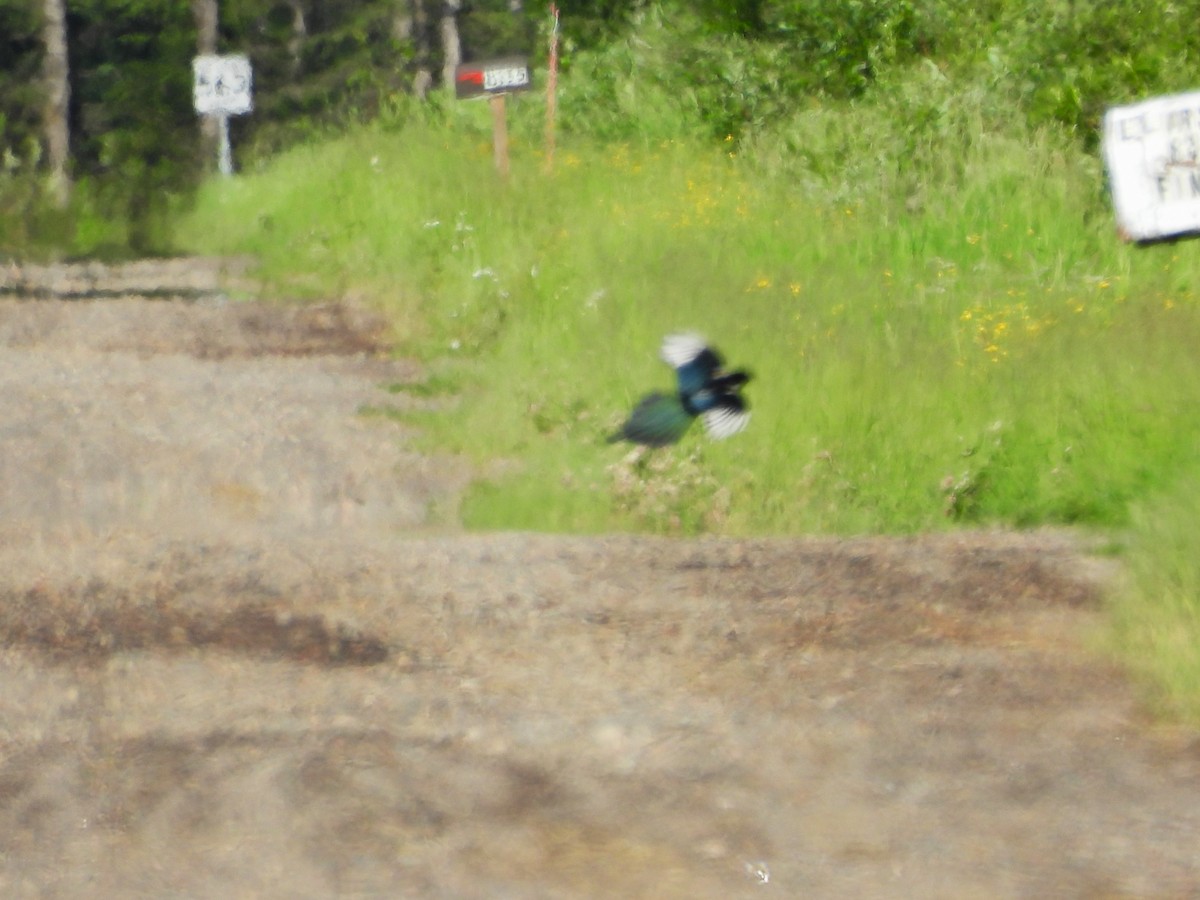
929	349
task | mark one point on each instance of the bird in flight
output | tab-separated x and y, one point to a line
705	391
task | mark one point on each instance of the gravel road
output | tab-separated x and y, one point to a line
247	652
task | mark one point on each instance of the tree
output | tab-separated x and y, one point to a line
295	44
206	15
451	45
412	27
55	118
133	124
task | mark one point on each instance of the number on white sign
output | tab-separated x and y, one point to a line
222	85
507	77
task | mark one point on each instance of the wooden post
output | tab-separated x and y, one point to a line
494	79
499	134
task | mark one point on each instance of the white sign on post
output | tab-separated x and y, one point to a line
1152	151
221	89
222	85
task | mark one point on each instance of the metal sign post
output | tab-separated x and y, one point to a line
224	150
222	88
494	80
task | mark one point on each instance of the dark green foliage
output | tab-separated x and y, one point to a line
733	67
653	69
844	43
133	127
729	67
344	66
1073	59
492	29
590	23
22	210
20	91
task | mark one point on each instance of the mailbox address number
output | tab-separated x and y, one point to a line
507	77
498	76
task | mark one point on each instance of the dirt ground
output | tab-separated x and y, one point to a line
245	652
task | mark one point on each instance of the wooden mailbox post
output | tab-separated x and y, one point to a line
494	79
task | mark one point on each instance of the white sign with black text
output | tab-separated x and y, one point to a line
222	85
1152	151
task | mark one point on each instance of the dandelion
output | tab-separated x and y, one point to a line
973	239
794	287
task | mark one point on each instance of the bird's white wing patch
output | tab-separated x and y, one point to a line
680	349
722	422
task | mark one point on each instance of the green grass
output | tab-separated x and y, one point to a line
937	340
1156	618
997	357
